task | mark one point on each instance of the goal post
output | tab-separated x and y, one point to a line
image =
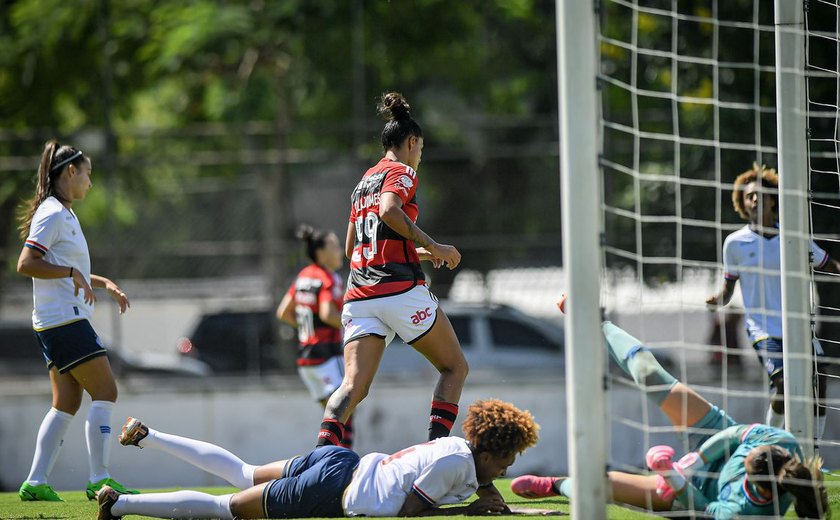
794	231
579	172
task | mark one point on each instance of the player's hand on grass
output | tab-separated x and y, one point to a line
491	504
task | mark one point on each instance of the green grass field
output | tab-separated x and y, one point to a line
77	505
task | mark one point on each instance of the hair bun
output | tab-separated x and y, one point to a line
304	232
393	106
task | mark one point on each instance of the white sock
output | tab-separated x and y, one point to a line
48	445
209	457
180	504
775	419
98	436
819	427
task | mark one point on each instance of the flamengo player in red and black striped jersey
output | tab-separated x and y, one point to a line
313	305
387	293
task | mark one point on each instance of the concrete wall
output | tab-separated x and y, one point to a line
276	419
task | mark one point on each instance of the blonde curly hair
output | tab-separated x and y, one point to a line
498	427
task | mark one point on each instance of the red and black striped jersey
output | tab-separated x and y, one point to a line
383	262
318	341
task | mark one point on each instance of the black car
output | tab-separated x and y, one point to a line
20	355
492	336
241	342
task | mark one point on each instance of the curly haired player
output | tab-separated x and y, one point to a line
332	481
752	256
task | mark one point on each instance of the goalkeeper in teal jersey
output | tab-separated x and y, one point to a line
732	469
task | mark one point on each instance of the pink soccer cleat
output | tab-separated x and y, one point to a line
660	458
532	486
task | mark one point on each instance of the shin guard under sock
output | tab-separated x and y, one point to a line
637	361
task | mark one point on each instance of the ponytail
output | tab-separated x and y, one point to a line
804	481
54	159
394	108
314	239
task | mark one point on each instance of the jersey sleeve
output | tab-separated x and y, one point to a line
43	232
723	443
401	180
325	294
730	260
440	477
818	256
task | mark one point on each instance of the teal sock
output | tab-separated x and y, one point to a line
637	361
566	488
620	344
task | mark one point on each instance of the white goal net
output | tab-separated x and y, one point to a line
688	101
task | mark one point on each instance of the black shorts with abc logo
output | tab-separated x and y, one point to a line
68	346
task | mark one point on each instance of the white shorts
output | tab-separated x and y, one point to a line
322	380
410	315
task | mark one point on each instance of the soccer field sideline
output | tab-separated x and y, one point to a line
78	507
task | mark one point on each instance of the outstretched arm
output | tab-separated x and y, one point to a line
487	505
720	445
717	447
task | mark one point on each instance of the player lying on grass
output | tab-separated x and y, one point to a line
332	481
732	469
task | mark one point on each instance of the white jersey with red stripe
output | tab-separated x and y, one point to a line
439	472
55	232
756	261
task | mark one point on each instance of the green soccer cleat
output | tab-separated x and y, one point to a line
94	487
41	492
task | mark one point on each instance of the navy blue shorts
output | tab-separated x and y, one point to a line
311	485
770	354
68	346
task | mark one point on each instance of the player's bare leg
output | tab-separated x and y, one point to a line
361	361
270	471
248	503
441	347
637	490
683	406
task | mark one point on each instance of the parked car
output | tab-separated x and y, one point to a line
492	336
240	342
20	355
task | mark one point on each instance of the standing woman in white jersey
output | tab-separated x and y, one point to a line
752	255
56	257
